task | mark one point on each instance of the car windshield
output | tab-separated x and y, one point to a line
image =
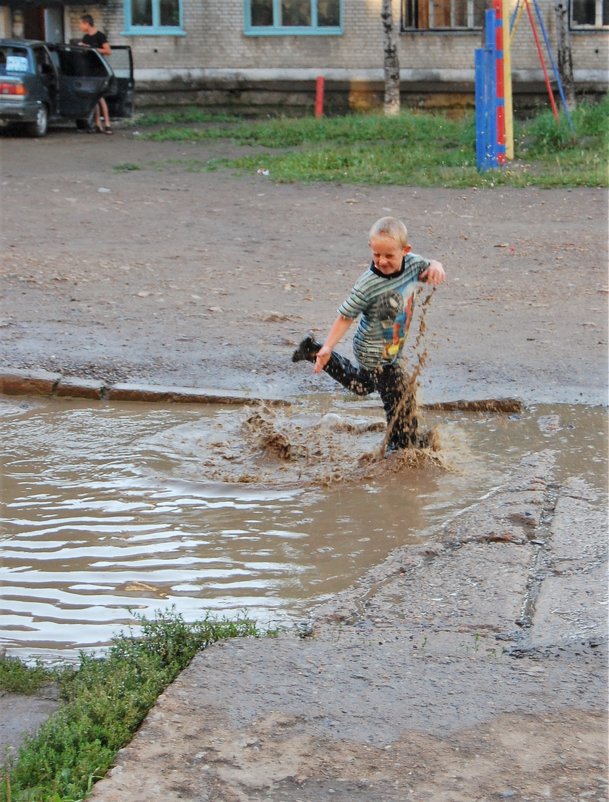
13	59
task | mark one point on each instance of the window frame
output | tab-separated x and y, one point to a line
155	29
291	30
453	29
597	25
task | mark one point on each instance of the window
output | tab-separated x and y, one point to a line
14	59
426	15
590	13
293	16
43	61
153	17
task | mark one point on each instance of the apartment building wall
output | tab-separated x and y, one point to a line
215	61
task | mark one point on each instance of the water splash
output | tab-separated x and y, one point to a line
409	422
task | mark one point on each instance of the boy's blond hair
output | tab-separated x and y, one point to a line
390	227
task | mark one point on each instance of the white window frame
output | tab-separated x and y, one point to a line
597	25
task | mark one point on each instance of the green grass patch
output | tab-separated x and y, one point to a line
104	702
412	148
17	677
181	165
293	132
126	167
190	165
558	156
182	116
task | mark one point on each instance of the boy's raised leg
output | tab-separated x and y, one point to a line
358	380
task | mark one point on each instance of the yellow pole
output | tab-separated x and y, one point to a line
516	21
507	82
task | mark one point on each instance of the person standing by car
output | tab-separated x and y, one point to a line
94	38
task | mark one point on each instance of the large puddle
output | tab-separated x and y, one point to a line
113	509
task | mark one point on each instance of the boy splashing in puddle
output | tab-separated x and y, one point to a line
384	297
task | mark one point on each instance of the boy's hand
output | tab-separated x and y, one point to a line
322	358
434	274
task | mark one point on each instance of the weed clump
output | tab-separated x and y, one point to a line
16	677
104	702
544	134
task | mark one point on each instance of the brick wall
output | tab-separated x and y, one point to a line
215	44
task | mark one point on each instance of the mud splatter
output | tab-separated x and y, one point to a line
275	446
406	413
281	446
272	442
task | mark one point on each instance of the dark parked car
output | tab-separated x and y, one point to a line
42	83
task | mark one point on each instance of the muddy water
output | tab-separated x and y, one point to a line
113	509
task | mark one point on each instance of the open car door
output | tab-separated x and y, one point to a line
121	95
84	76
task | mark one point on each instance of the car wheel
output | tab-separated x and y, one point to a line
41	124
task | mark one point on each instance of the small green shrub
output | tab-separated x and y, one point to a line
16	677
126	167
592	119
104	703
545	134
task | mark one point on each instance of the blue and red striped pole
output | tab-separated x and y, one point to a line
486	101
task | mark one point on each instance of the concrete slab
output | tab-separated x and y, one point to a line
579	527
21	716
410	694
571	610
474	590
572	603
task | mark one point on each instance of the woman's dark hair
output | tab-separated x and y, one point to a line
88	19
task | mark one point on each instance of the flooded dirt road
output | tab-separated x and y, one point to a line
113	509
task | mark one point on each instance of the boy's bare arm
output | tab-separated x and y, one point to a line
434	274
337	331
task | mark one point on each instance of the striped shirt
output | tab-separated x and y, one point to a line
385	304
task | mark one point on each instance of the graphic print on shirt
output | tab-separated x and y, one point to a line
394	316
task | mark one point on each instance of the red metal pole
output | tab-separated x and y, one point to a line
499	77
319	96
541	59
